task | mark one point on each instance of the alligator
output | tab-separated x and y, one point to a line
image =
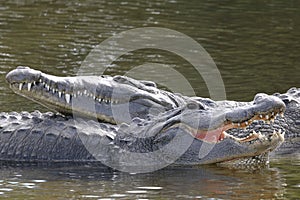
126	122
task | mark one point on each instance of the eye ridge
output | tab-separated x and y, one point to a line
194	106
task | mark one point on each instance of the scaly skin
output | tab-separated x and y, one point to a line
291	122
49	137
156	118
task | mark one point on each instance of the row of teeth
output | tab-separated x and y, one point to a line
251	136
67	95
270	118
254	135
265	118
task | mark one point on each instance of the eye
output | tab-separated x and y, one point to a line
194	105
120	79
149	83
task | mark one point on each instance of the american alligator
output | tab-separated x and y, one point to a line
114	119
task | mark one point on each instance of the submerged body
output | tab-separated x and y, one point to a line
136	117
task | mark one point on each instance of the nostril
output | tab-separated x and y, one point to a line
22	67
258	97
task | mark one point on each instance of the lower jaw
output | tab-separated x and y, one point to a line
62	107
259	161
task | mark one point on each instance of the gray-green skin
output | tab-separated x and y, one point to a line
157	120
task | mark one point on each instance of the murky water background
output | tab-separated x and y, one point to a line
255	45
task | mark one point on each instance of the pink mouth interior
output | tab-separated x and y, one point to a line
211	136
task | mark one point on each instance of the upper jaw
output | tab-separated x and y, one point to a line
88	96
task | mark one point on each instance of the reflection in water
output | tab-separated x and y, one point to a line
101	182
255	46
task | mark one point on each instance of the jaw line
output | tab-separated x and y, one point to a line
218	134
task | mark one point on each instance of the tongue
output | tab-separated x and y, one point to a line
210	136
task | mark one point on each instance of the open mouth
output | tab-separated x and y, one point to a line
229	129
267	118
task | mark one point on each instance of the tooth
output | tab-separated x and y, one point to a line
20	86
29	86
280	136
259	133
34	83
225	134
59	94
94	97
267	116
48	87
246	123
74	95
40	80
239	124
53	90
281	115
273	113
85	92
232	123
254	133
68	97
260	116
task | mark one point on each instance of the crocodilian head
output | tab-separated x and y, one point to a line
103	97
211	125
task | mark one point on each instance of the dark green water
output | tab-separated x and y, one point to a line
255	45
